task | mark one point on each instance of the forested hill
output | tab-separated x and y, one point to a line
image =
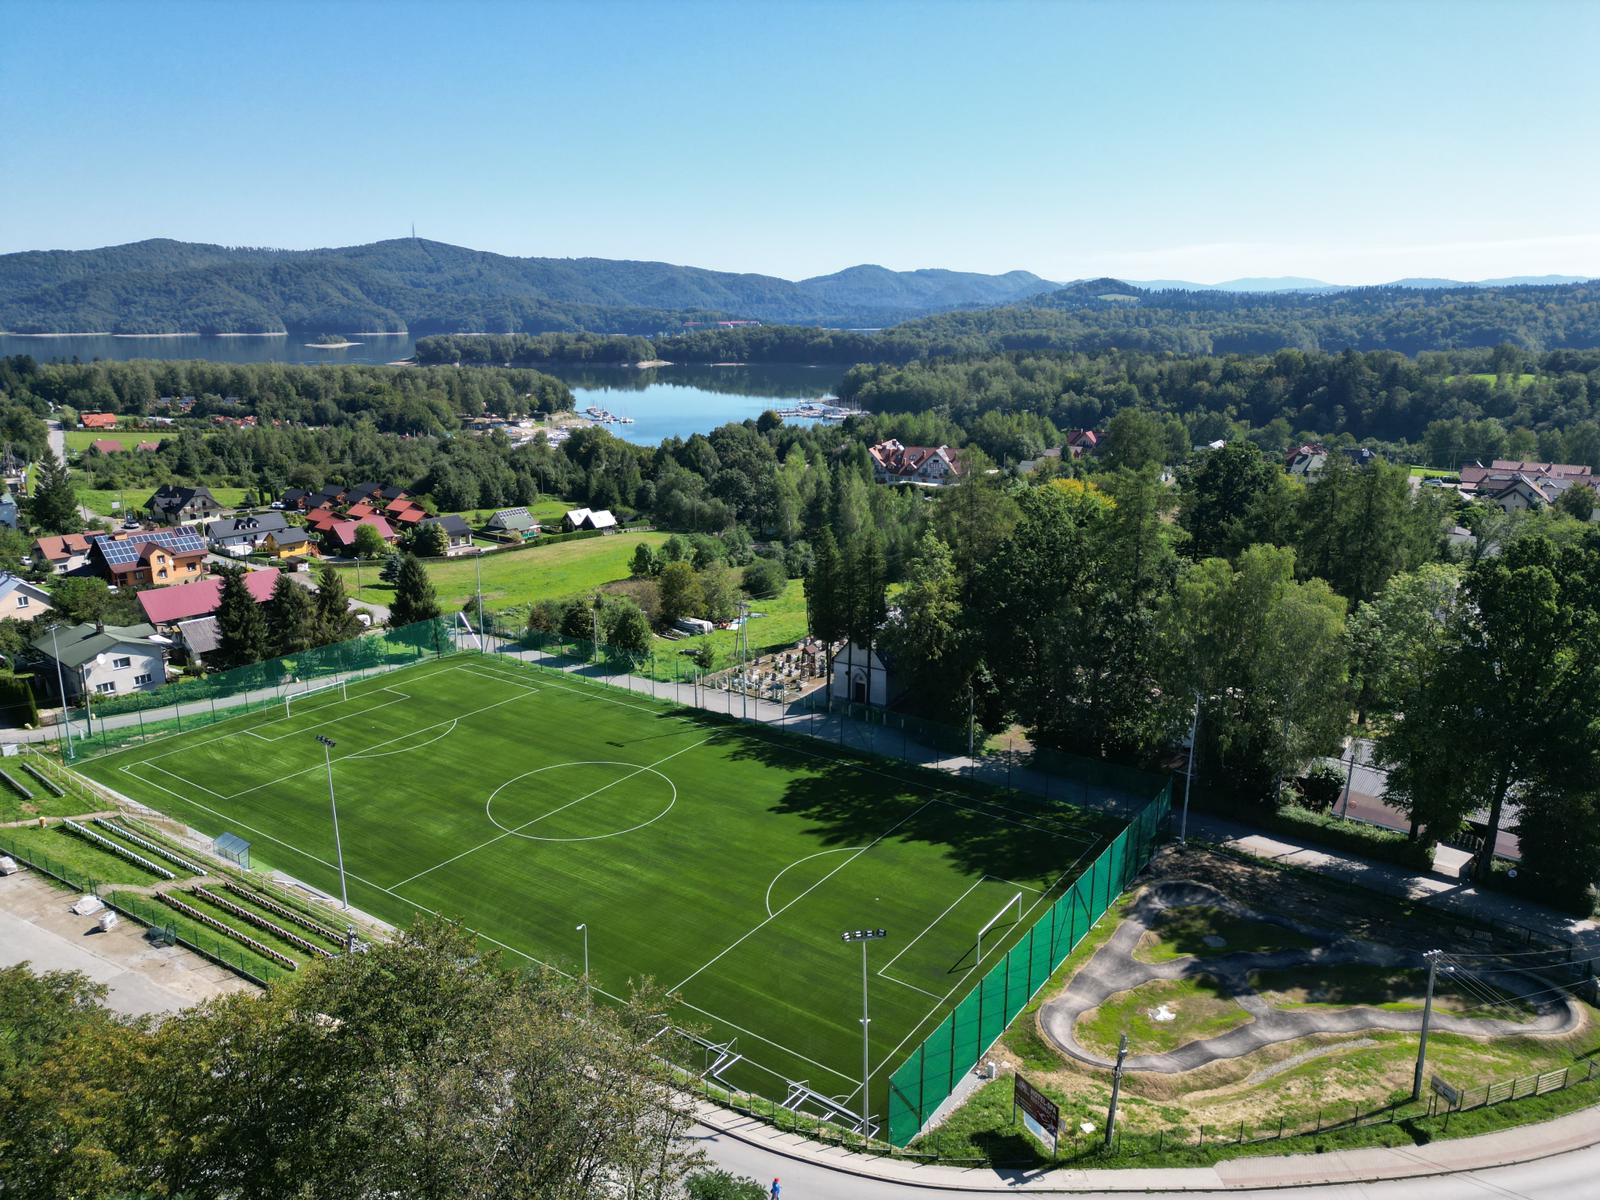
162	286
1103	314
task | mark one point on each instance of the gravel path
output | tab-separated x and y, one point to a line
1113	969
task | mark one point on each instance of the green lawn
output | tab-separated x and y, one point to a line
100	499
781	623
521	576
1199	1009
1516	381
64	851
1182	933
717	859
1421	472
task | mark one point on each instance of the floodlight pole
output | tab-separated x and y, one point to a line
1188	779
864	936
477	568
338	849
584	929
1432	959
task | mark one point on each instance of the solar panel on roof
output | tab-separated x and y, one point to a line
127	550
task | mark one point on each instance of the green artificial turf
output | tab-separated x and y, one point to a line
721	861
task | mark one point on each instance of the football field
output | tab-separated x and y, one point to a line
721	860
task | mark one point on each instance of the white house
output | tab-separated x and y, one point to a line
929	466
863	676
21	600
103	660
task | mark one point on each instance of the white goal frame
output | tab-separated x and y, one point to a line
314	690
994	920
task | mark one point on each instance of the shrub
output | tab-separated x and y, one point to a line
1574	898
1369	841
1320	787
764	578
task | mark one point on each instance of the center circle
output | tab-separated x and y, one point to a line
601	796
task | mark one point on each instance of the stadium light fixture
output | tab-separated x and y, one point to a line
338	849
864	936
584	929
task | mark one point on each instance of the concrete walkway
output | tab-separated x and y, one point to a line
809	1169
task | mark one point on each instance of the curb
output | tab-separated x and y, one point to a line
1201	1180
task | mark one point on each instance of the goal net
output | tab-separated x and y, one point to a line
336	690
1012	905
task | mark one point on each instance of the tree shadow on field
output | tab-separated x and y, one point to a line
981	831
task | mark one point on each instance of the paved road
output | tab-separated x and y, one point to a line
1570	1175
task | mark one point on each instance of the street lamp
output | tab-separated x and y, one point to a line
864	936
327	757
66	716
584	929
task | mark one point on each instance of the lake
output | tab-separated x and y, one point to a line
663	401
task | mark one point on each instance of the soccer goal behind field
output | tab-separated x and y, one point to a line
336	690
1012	907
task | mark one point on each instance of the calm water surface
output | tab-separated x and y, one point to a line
663	402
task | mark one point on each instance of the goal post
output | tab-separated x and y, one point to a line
315	689
1014	903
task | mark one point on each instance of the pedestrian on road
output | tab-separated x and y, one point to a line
775	1189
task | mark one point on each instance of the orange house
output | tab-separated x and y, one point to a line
152	558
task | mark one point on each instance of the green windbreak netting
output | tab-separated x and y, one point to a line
196	701
930	1074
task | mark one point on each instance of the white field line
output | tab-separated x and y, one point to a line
288	733
512	832
976	883
763	924
903	983
454	721
796	863
476	933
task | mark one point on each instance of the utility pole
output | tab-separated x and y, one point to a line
61	686
1349	776
327	757
864	936
1188	779
1116	1089
1432	959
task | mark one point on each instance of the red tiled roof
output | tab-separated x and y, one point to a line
345	531
411	516
62	545
148	447
908	460
106	446
184	601
322	518
98	420
357	511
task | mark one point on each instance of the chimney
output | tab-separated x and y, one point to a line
99	626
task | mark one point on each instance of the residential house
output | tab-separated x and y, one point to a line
362	492
62	553
863	675
327	497
1029	465
320	520
147	447
9	516
248	530
107	446
289	544
175	505
21	600
341	537
294	499
150	557
458	534
518	521
925	466
166	608
589	518
1307	461
358	510
97	420
102	660
1082	441
1517	486
407	515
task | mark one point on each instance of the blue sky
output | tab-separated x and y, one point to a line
1348	141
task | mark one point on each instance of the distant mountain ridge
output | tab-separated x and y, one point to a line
1294	283
163	286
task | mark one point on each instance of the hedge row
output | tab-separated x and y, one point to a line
1569	897
1369	841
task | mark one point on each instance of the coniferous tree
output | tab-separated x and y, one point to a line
414	598
241	628
289	617
332	620
55	503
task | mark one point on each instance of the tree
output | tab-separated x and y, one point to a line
1578	502
680	593
1509	701
1265	655
414	598
1359	526
430	540
54	506
922	638
1135	438
645	564
332	620
242	637
390	571
719	593
765	578
1395	635
289	617
624	627
1235	497
825	602
80	598
368	542
865	587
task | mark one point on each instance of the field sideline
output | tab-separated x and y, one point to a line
723	861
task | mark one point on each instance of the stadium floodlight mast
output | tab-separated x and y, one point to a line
338	850
864	936
584	929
